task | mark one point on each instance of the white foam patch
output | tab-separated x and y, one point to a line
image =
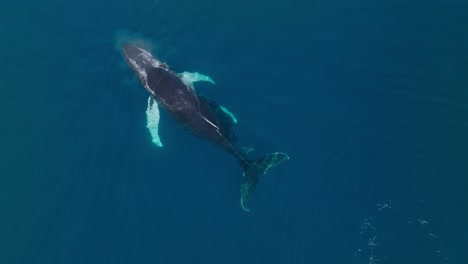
190	77
403	224
229	113
152	121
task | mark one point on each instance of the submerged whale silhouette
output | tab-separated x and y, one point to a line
203	117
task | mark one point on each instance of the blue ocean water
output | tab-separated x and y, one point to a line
369	99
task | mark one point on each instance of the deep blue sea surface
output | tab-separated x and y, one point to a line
368	98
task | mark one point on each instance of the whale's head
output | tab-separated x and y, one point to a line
141	62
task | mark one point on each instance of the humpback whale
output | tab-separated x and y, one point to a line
203	117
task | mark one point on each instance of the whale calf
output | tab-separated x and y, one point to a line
203	117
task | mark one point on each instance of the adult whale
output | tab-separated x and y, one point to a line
203	117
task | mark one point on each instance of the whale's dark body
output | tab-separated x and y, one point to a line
198	114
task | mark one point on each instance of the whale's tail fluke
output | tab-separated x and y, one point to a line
255	168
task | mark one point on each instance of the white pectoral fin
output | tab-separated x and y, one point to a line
190	77
152	120
229	113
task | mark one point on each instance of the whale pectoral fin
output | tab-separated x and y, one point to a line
152	121
222	113
229	113
188	78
